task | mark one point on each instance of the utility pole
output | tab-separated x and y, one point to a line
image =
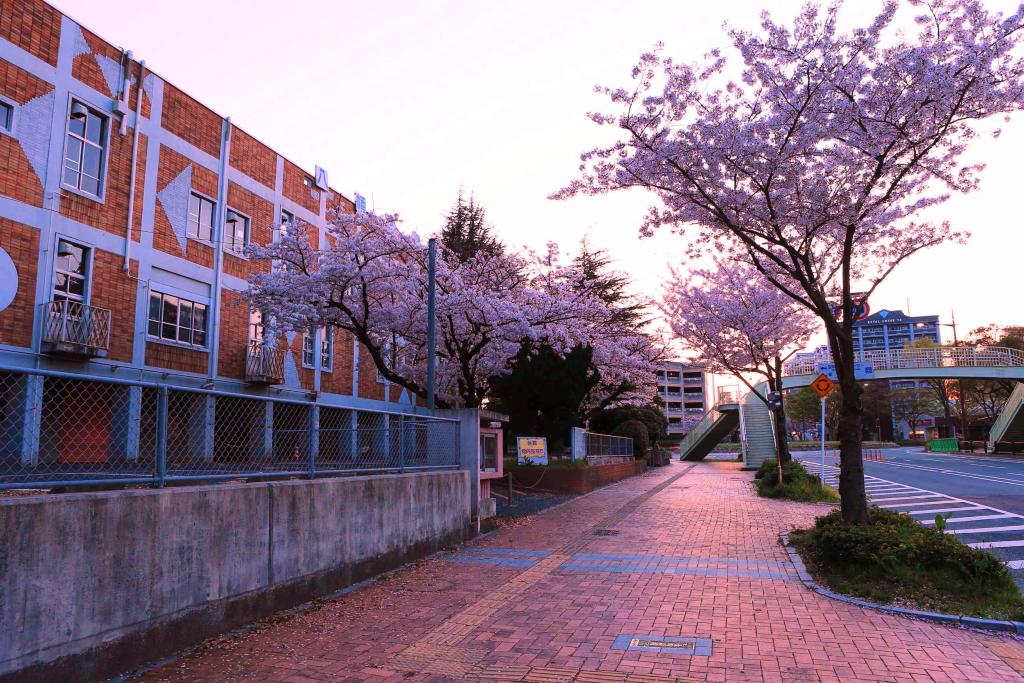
431	318
960	381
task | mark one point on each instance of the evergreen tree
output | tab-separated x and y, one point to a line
466	231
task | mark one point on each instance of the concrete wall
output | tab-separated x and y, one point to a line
94	584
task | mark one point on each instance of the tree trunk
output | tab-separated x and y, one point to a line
854	503
779	418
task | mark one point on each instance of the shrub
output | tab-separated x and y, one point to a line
797	483
894	556
636	430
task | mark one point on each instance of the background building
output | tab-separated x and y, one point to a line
683	389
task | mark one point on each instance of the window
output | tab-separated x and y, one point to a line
327	349
200	217
287	221
176	319
70	272
85	148
236	231
307	349
6	116
256	329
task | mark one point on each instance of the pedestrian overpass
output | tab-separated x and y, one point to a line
750	413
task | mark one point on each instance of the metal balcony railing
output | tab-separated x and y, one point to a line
264	364
71	328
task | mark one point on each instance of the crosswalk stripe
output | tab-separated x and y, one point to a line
886	500
974	518
997	544
988	529
910	505
933	511
1015	564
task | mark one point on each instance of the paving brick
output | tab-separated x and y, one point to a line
548	622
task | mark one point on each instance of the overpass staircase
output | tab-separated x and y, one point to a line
1009	426
755	422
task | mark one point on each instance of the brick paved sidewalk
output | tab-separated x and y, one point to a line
676	575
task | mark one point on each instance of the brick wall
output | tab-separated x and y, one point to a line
114	289
261	225
22	243
339	379
234	334
33	26
18	180
175	358
252	157
191	121
204	181
295	188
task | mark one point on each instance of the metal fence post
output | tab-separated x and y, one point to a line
161	435
401	443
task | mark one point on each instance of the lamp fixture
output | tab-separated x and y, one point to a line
79	110
232	217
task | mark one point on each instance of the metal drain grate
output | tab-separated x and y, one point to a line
606	532
689	647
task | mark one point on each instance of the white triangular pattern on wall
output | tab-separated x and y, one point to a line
81	45
174	198
32	129
111	73
291	370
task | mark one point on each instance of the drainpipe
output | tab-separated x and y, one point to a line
218	248
135	160
126	85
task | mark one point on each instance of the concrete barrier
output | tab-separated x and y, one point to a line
575	479
95	584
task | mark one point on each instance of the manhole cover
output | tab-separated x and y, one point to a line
606	532
690	647
432	586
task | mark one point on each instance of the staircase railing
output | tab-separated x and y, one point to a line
1013	405
698	431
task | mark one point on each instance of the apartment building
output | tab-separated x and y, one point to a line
683	390
125	209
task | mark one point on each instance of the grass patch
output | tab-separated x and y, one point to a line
797	483
893	559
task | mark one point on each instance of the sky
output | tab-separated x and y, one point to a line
406	102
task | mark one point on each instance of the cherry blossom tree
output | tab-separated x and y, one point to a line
738	323
819	163
370	279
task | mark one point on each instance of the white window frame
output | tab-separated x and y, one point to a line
213	215
13	106
87	261
284	224
253	325
307	350
327	349
177	324
104	148
240	253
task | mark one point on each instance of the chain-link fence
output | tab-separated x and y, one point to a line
58	430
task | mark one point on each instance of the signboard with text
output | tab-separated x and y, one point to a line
532	450
861	370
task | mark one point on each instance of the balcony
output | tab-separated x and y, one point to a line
264	364
73	330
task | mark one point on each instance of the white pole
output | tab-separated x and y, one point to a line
823	440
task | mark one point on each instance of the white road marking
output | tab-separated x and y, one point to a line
932	512
987	530
974	518
997	544
918	504
1015	564
914	497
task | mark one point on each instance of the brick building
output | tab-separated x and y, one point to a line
125	207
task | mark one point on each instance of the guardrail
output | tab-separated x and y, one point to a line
62	429
914	358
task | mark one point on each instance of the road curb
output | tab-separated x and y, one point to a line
1016	627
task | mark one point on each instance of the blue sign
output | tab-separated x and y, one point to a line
861	370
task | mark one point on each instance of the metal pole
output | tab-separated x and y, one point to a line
823	440
431	318
161	435
960	382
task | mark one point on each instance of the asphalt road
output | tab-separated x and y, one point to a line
984	496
